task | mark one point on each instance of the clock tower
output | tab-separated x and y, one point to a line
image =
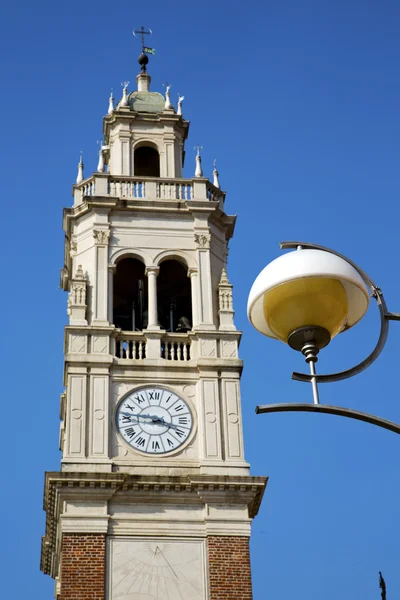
154	499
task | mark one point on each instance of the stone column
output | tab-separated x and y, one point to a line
152	273
194	281
101	277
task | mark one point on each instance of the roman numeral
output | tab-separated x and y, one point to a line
130	407
168	399
179	432
155	445
183	420
130	432
140	441
154	395
126	419
139	399
179	407
170	442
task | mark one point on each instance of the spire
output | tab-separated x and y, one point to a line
111	104
224	278
225	311
215	175
80	177
180	100
199	170
168	105
100	164
124	100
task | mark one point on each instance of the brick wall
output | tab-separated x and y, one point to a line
229	568
83	562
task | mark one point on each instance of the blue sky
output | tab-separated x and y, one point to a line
299	102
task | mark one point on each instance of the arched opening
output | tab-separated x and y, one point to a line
146	162
174	297
130	295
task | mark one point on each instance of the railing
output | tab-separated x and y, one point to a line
147	188
175	348
123	188
88	187
173	190
130	345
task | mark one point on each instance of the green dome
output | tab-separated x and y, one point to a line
149	102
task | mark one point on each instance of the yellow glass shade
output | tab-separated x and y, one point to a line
308	301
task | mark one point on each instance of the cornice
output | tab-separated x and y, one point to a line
122	488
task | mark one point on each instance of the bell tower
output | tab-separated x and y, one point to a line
154	499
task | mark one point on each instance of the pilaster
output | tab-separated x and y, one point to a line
101	237
202	241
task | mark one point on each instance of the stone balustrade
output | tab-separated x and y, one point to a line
130	345
147	188
175	347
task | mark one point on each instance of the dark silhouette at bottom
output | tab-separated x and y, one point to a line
382	585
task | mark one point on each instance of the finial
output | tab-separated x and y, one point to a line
100	164
168	104
180	100
215	175
143	59
80	177
111	104
224	278
79	273
124	100
199	170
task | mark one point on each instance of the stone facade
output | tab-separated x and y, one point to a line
197	499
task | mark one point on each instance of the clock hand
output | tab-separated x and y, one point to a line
153	418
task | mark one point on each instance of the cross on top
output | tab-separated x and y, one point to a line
142	32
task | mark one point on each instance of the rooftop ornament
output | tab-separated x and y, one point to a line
306	298
143	58
199	170
180	100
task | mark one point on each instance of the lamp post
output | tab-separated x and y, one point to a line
307	297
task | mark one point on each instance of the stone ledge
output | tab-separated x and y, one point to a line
60	486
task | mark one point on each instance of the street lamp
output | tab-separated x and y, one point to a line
307	297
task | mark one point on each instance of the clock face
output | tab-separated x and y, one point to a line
154	420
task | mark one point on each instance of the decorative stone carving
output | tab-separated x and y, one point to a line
100	344
202	240
77	343
225	301
208	348
229	349
72	249
77	299
101	236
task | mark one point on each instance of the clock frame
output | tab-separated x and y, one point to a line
155	421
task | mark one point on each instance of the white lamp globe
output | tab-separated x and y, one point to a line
307	288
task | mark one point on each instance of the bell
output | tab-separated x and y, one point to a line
183	325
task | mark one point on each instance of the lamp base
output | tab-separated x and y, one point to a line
309	335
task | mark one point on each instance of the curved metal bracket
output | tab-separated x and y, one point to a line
331	410
385	317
